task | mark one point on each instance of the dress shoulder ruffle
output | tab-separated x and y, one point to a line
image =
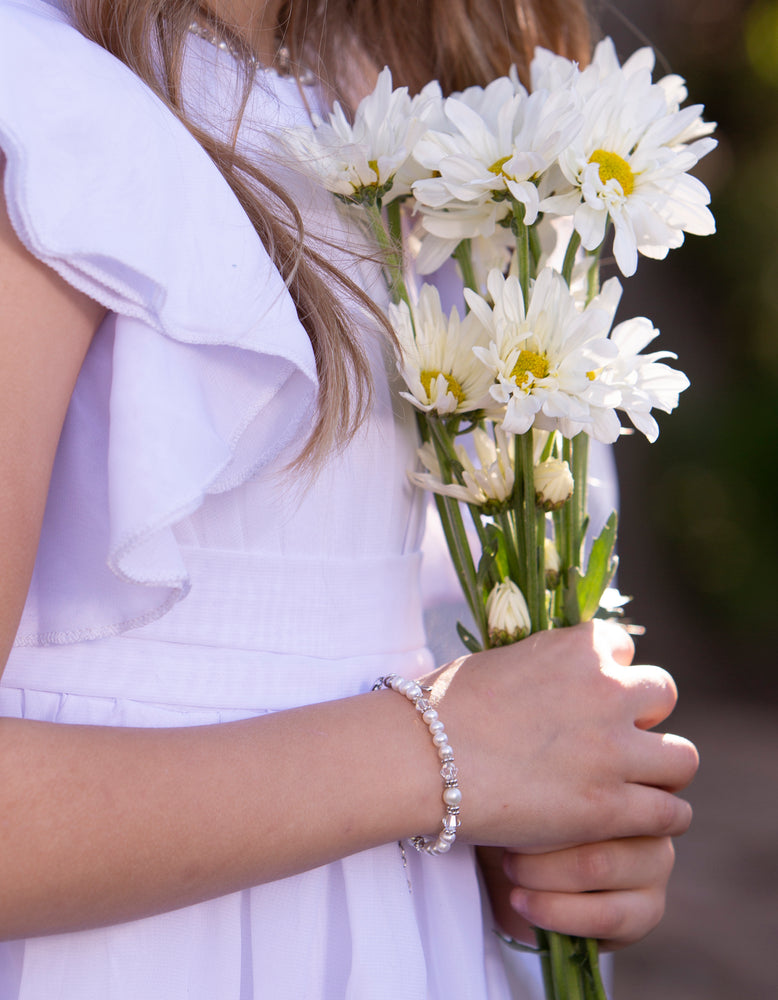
200	375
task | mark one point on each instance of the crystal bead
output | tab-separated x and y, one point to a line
449	771
422	705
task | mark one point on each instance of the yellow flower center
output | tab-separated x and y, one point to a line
614	168
428	377
529	363
496	167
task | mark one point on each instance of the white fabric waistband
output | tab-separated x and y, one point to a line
330	608
254	634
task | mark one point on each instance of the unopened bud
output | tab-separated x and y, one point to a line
553	484
553	565
507	614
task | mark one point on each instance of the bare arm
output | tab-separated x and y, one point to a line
99	825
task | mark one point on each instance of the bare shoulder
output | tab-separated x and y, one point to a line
46	327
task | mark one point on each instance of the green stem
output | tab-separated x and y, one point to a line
521	232
540	536
527	528
580	471
535	250
515	567
571	553
391	250
558	966
453	524
593	278
569	262
541	937
595	987
394	218
459	550
463	255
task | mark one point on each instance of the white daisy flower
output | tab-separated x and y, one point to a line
499	141
542	359
489	484
642	382
437	360
363	162
645	383
629	163
442	230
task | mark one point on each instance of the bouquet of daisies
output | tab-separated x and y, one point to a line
524	189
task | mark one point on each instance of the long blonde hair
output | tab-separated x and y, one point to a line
459	42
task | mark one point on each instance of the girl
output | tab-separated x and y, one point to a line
210	550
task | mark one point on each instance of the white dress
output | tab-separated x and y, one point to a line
182	577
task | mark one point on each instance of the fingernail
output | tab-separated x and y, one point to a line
519	899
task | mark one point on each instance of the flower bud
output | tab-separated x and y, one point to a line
553	565
553	484
507	614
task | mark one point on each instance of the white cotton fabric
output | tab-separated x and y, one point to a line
183	577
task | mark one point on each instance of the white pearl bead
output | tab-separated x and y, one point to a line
449	836
403	686
436	727
440	739
413	692
445	752
430	716
442	846
452	796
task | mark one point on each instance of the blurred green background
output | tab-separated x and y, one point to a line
699	532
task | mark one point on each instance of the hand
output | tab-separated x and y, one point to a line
552	744
612	891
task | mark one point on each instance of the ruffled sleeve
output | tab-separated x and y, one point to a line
201	374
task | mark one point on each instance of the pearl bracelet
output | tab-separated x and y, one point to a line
452	794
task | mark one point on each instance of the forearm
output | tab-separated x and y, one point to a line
102	825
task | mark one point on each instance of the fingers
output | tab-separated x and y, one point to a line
651	812
613	891
653	692
662	760
615	918
613	865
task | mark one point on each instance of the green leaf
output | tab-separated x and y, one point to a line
599	572
472	645
495	549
